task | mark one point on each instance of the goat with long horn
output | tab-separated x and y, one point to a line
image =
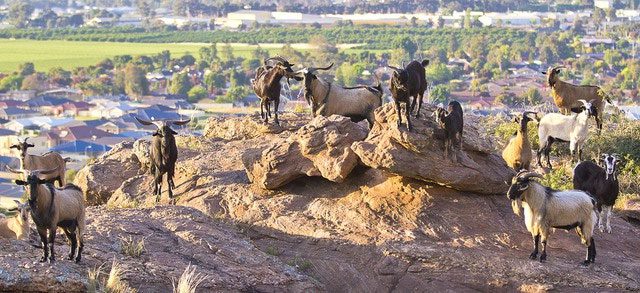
164	154
267	87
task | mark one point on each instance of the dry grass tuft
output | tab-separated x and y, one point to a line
189	281
131	247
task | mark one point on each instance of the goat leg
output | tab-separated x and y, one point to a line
408	113
276	103
399	114
536	241
52	239
42	232
262	108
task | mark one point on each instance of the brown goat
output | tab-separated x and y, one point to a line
266	85
566	96
47	161
517	153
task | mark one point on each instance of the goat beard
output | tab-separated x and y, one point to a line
516	205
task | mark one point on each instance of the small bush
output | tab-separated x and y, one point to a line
113	282
272	250
131	247
300	263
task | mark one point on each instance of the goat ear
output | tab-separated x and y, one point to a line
30	145
20	182
17	202
173	132
516	119
14	147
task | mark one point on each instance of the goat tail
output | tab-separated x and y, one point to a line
424	62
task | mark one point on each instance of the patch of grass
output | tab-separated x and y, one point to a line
622	200
300	263
272	250
111	283
189	281
131	247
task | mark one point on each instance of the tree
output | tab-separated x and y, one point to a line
33	82
467	19
532	97
11	82
438	73
135	81
59	76
227	54
197	93
180	84
324	50
234	94
214	80
144	8
612	58
440	94
19	13
406	44
26	69
121	60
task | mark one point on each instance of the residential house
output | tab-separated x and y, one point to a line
74	109
81	147
69	134
110	109
110	127
12	113
47	105
13	103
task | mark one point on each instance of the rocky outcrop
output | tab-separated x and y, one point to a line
419	154
320	148
99	179
174	237
251	126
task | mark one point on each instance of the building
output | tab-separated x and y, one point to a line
603	4
13	113
510	19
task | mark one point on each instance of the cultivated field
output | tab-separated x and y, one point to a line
71	54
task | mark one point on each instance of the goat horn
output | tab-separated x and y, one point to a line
145	122
559	67
313	69
393	67
279	59
526	175
179	122
15	171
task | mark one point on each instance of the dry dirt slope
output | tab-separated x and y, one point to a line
375	232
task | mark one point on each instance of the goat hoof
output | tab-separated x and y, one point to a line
43	259
609	230
601	229
585	263
52	260
78	259
543	258
70	257
533	256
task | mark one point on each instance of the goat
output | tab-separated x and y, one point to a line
557	127
164	154
50	160
600	182
452	121
266	85
517	153
357	103
408	82
55	207
566	96
545	208
16	227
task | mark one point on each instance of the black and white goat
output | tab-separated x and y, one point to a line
545	208
602	183
557	127
164	154
52	208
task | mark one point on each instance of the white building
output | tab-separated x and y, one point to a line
603	4
511	19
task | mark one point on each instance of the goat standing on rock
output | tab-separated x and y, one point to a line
164	154
266	85
408	82
452	121
326	99
545	208
517	153
600	182
567	96
557	127
52	208
50	160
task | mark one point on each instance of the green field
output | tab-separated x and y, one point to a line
69	54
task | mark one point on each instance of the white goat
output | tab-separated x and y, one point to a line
557	127
545	208
52	208
16	227
326	99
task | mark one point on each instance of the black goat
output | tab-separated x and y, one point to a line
408	82
602	183
164	154
452	121
266	85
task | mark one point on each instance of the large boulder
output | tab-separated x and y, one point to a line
251	126
100	178
320	148
419	154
